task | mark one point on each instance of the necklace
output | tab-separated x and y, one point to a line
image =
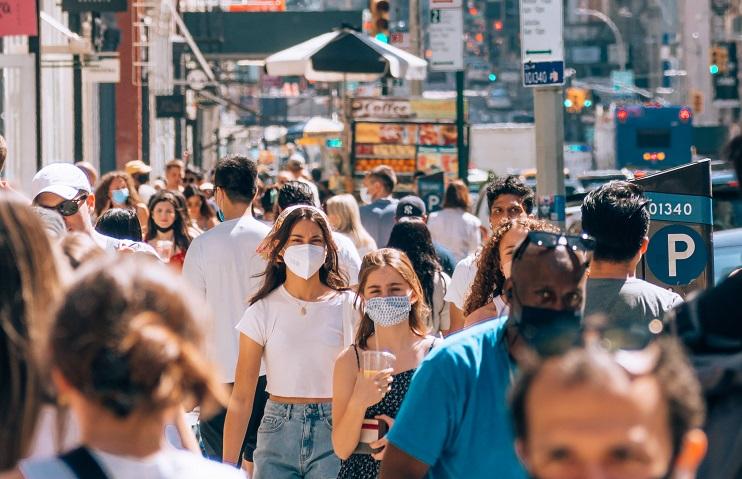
302	305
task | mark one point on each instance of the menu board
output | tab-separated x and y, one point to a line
389	133
437	134
439	158
406	147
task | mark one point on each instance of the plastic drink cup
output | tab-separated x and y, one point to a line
373	362
164	250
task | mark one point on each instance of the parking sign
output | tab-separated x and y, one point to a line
680	252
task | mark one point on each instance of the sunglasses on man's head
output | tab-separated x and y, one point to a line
69	207
543	239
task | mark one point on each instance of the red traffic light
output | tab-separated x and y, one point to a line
498	25
685	114
622	115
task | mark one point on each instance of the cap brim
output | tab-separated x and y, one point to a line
66	192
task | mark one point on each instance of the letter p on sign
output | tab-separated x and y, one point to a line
674	255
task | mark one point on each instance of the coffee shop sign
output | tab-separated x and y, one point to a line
382	109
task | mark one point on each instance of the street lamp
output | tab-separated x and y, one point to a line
616	32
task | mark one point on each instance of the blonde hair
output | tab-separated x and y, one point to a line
345	208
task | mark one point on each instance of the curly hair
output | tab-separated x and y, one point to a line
489	279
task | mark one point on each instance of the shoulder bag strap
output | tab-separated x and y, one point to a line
83	464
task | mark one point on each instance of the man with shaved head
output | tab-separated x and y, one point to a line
454	421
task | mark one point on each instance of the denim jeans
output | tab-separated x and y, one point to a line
295	441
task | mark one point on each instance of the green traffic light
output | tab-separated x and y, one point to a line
588	103
714	69
382	37
568	103
492	77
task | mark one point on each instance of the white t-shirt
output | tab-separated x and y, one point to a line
440	317
222	264
461	281
300	350
348	257
166	464
457	230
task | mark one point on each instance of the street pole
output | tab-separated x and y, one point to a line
34	46
416	86
549	112
461	146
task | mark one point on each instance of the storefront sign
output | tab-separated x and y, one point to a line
79	6
401	108
18	17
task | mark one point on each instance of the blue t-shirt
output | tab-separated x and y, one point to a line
455	416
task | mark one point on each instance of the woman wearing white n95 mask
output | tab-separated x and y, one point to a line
298	323
367	401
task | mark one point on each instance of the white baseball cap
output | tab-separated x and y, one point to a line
62	179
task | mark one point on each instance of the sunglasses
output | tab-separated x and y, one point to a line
69	207
542	239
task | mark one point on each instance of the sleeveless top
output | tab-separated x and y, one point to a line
363	466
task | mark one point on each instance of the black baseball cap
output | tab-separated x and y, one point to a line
410	206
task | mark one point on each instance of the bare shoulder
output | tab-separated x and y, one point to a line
346	365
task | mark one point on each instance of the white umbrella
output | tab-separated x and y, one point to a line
318	125
345	55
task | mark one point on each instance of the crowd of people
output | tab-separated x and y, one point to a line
219	326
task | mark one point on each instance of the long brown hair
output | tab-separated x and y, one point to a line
399	261
127	338
489	279
181	236
29	283
275	273
102	192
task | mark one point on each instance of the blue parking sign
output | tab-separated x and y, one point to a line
677	254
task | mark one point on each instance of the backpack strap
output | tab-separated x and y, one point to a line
432	345
83	464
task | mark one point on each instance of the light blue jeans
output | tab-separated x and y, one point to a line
295	441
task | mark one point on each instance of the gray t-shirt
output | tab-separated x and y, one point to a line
628	299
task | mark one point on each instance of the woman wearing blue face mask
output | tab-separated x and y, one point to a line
365	402
298	322
116	190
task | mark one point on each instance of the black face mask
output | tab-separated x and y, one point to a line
549	331
164	230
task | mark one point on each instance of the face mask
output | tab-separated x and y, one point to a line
388	311
304	260
164	230
120	196
219	212
365	196
548	331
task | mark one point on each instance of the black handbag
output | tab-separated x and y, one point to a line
83	464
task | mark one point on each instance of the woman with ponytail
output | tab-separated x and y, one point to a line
124	353
393	320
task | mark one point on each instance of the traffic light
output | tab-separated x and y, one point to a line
719	60
379	19
576	99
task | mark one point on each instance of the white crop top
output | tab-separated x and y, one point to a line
300	350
